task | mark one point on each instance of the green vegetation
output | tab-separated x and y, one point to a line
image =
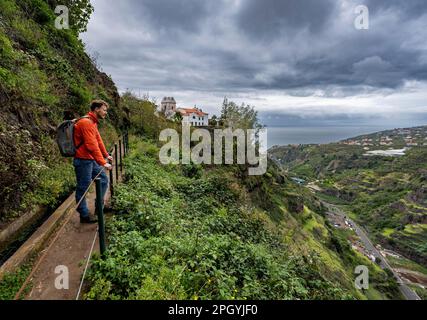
45	75
11	283
209	236
407	264
143	119
80	12
422	293
184	238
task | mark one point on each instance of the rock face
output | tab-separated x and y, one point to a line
295	204
398	206
340	194
419	196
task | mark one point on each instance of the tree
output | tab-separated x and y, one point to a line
239	117
213	121
243	117
79	10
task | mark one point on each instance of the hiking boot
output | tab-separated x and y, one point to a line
88	220
108	209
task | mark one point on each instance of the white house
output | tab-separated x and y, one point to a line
195	117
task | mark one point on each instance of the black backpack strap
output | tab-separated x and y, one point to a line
80	145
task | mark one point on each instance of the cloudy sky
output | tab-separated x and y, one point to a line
295	60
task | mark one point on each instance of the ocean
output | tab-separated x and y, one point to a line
317	135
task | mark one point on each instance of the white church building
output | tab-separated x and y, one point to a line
195	117
192	116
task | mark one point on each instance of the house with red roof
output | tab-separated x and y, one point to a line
194	116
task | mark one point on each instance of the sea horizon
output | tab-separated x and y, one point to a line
323	134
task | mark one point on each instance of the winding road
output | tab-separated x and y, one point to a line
407	292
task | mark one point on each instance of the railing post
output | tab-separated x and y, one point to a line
116	162
121	160
100	214
111	184
125	145
127	142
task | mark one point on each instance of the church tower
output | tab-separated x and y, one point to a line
168	106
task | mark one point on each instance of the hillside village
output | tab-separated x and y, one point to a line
195	117
407	137
390	143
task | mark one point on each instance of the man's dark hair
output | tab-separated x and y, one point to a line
96	104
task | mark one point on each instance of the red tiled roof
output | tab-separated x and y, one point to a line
186	111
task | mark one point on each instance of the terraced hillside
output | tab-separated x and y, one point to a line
386	194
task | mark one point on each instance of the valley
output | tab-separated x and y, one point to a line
383	193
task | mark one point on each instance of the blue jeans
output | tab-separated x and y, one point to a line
86	171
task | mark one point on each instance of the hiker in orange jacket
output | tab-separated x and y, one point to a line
91	156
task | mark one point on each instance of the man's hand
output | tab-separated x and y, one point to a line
110	158
108	166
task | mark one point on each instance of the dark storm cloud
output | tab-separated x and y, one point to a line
278	119
283	119
174	15
269	19
408	8
238	45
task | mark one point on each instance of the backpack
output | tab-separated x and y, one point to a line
65	137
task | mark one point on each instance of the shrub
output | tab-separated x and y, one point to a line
192	171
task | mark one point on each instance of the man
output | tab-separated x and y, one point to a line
91	155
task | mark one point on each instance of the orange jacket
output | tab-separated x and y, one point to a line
86	132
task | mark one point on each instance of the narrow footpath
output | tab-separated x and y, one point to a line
66	254
71	249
